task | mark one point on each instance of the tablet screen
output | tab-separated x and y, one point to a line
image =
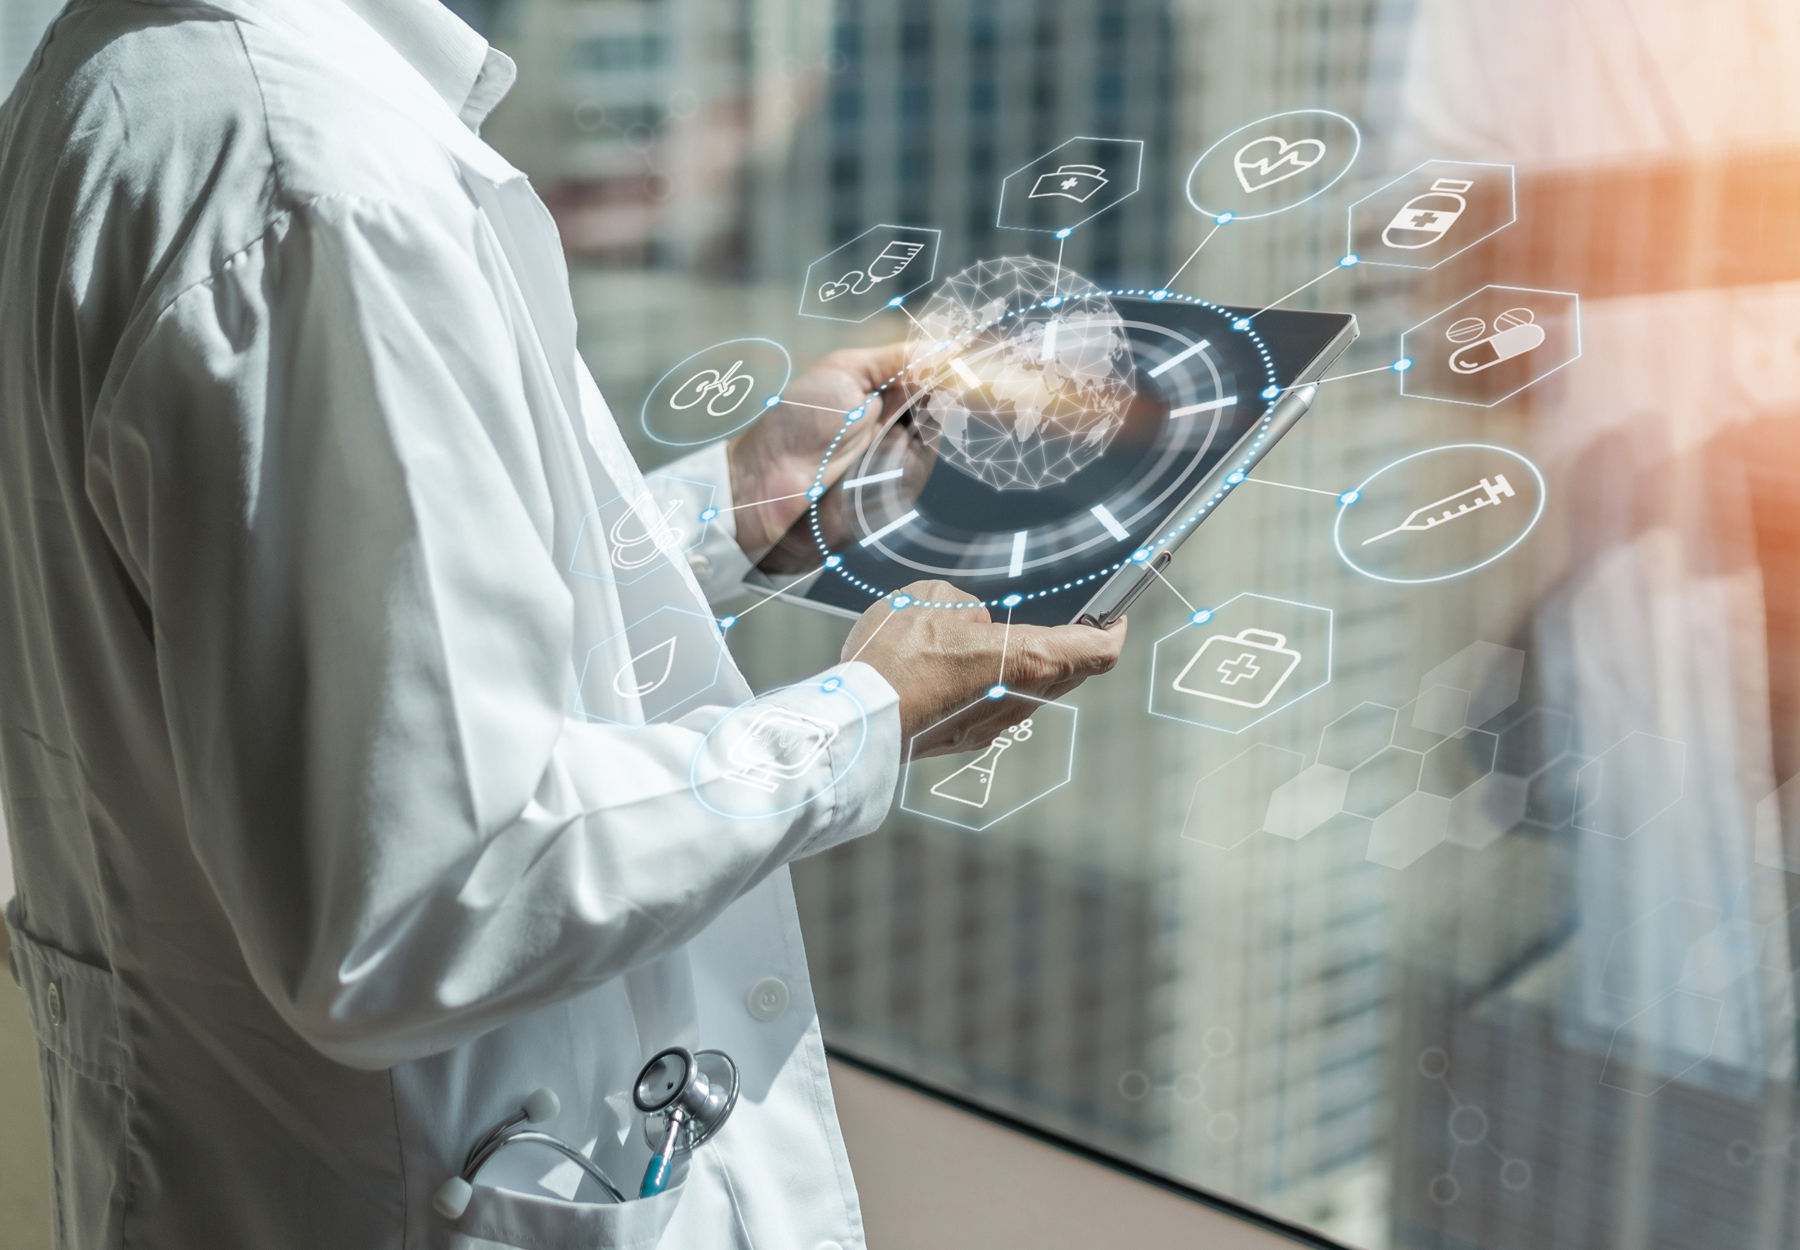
960	486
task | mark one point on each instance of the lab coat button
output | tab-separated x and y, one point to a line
55	997
767	999
700	564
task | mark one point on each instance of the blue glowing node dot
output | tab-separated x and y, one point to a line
1242	323
831	562
1225	217
1270	391
896	301
1349	259
709	514
1236	476
815	492
1202	616
996	692
1140	555
832	684
853	416
900	601
771	401
726	622
1065	232
1012	601
1349	497
1159	295
1401	365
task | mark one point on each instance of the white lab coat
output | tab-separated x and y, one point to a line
327	850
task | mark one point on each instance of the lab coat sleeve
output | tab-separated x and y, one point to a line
704	479
321	472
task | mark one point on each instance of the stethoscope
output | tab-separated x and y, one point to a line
685	1097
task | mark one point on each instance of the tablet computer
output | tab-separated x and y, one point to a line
1049	525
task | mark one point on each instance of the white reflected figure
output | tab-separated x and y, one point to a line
627	683
973	783
779	746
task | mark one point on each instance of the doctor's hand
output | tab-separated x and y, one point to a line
943	659
773	463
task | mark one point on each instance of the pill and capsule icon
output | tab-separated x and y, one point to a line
1515	332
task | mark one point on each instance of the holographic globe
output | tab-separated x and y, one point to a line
1027	370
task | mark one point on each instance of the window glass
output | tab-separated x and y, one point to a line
1480	929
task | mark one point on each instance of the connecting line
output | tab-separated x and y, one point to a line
1170	284
757	503
777	593
1290	295
903	308
1005	638
1311	490
871	638
1171	585
796	403
1338	377
1056	283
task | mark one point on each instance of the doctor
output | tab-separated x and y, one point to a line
313	533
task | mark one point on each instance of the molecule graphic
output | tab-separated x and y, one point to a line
1025	401
1189	1088
1468	1128
1742	1153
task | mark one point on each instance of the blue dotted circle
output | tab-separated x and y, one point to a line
1261	432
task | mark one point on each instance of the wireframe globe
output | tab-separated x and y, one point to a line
1027	369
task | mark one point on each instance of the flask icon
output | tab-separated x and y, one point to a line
973	783
1425	219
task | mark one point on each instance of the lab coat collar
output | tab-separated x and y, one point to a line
454	61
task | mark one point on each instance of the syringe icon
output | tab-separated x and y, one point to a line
1481	495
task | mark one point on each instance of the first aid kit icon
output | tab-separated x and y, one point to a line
1071	182
1246	669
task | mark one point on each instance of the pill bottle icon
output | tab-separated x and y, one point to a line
1424	219
1515	333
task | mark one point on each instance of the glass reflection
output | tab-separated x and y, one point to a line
1490	942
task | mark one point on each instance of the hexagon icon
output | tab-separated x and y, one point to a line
879	266
1014	770
673	656
1662	1043
1073	183
1629	784
1489	346
1304	802
1431	213
1229	802
1469	689
620	541
1778	838
1236	665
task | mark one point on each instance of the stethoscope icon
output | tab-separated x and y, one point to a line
658	535
685	1097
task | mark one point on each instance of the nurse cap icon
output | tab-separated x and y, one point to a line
1515	332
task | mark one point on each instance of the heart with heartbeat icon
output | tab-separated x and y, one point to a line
1271	159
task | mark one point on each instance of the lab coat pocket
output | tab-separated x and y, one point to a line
499	1219
81	1060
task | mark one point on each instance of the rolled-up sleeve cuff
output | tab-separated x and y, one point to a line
704	479
865	788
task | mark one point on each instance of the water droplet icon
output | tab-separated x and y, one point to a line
629	681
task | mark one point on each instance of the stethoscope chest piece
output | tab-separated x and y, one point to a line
703	1085
685	1097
